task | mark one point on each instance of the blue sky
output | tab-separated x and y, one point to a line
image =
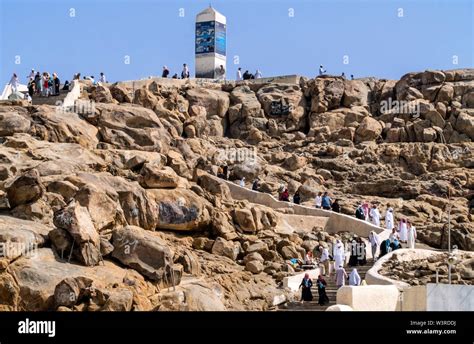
376	40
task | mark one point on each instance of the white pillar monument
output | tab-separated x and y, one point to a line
210	44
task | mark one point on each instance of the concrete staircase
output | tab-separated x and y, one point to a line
51	100
331	292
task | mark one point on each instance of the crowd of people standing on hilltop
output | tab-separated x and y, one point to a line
220	73
46	84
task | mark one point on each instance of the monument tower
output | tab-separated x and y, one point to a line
210	43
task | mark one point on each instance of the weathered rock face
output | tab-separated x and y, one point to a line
130	127
215	102
20	237
13	122
27	188
135	182
144	252
180	209
76	220
285	104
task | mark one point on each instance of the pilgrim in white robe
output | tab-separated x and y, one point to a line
402	230
389	220
411	236
354	278
375	215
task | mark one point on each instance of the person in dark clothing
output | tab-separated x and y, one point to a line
306	284
38	82
246	75
57	84
361	257
31	88
384	247
335	206
360	213
296	198
166	72
225	170
66	86
353	261
175	76
255	185
323	298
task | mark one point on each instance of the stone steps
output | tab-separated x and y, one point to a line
331	292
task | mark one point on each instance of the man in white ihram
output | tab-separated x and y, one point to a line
239	74
375	216
339	254
14	83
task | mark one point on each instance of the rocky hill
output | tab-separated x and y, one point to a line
114	206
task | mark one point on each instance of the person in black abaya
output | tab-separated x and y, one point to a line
306	284
353	257
361	257
323	298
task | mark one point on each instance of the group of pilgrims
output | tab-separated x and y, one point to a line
335	261
404	233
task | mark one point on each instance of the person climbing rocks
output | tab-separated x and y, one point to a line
306	284
335	206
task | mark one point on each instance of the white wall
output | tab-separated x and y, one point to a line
446	297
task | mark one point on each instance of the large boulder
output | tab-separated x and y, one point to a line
26	188
76	220
326	93
180	209
130	127
368	130
13	122
143	251
20	237
225	248
153	175
285	104
215	102
355	93
29	283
